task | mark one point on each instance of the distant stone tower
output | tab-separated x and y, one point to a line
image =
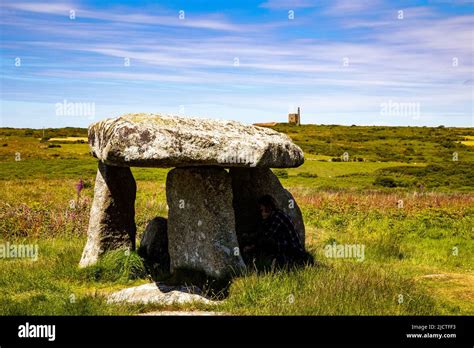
294	118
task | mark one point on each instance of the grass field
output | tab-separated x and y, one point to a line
402	195
468	140
68	140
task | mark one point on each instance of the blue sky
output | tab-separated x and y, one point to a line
341	61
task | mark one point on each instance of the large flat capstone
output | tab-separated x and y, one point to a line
151	140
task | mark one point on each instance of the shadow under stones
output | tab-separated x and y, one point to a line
216	289
264	264
258	259
153	250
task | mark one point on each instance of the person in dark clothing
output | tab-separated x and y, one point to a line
277	238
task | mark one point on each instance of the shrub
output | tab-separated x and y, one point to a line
307	175
385	182
281	173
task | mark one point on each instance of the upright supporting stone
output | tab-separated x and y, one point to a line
248	185
112	216
201	224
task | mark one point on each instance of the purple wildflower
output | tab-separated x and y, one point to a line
79	187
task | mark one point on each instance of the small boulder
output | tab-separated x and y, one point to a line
156	293
154	247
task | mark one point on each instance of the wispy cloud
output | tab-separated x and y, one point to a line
288	4
348	7
63	10
322	61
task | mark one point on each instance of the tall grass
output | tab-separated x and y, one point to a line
117	265
343	288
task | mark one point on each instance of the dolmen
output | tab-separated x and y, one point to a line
220	169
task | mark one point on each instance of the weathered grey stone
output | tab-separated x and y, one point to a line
157	293
201	225
112	216
151	140
248	184
154	246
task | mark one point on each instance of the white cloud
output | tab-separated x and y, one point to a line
350	7
169	19
287	4
389	59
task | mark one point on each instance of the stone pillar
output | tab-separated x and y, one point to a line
248	184
201	223
112	216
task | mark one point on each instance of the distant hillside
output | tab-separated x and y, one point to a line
362	143
377	143
390	157
47	132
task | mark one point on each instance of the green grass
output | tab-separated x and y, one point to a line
422	250
54	285
334	175
334	289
